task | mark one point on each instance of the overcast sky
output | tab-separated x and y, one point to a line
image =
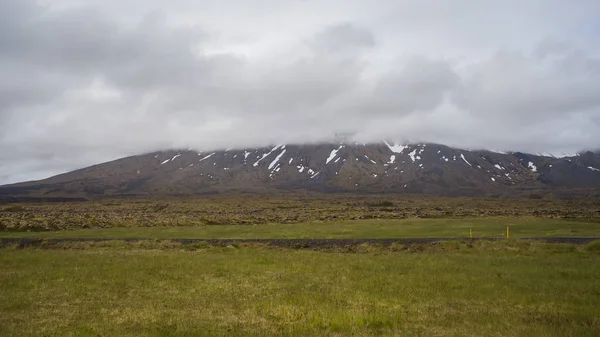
82	82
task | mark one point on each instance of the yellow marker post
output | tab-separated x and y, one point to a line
507	232
470	233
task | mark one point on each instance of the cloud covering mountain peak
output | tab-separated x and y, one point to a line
86	82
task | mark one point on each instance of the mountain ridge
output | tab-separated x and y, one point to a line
333	167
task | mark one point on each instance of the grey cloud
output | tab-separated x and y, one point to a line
420	85
514	84
83	83
343	38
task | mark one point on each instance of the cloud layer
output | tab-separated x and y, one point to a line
87	83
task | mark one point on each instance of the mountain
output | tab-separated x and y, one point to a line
385	167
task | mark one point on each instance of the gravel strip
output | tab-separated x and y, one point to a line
294	243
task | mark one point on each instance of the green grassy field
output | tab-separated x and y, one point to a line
163	288
506	288
379	228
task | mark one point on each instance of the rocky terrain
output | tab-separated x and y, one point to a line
384	167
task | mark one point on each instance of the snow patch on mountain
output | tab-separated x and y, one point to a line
333	154
274	162
413	155
558	155
266	155
210	155
169	160
463	158
532	167
395	148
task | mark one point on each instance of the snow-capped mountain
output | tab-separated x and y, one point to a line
384	167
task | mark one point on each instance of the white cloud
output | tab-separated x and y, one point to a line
84	82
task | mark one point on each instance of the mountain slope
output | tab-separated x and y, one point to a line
372	168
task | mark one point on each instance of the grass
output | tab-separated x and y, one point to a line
164	288
490	289
380	228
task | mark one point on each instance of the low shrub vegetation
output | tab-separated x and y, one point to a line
257	210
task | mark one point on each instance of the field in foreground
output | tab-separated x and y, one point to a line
492	289
373	228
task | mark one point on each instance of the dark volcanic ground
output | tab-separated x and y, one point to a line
291	243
